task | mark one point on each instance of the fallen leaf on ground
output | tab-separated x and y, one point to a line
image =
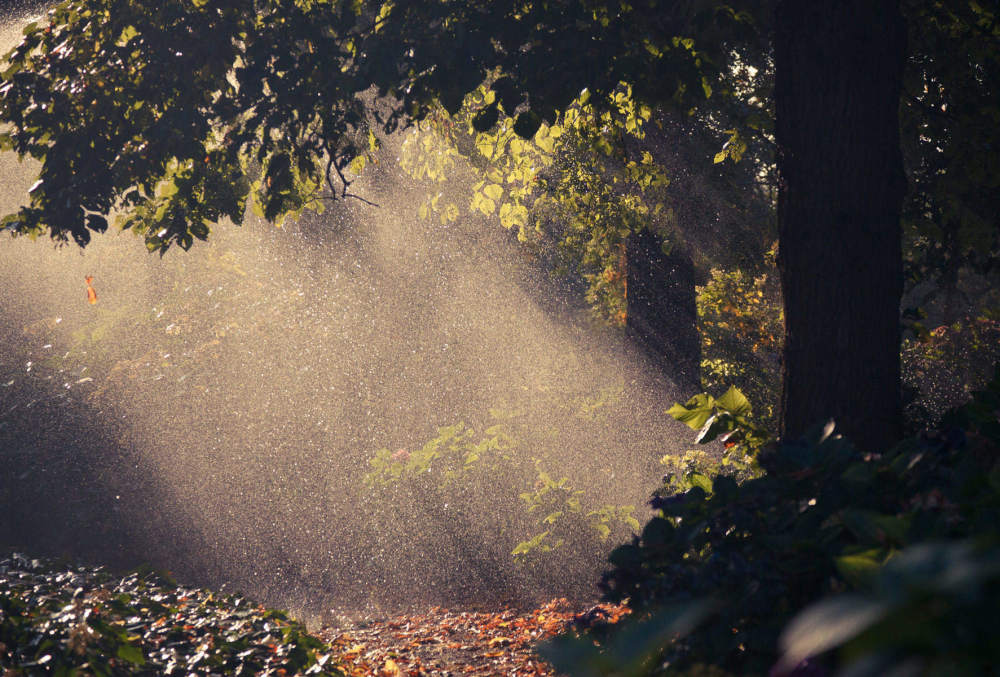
442	642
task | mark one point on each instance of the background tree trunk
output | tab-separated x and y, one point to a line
838	72
661	312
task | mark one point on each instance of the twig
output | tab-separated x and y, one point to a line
358	197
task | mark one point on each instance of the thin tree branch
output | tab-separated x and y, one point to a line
358	197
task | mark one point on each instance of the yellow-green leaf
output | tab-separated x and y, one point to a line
860	568
483	204
382	15
513	215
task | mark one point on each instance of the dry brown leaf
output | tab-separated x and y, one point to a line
391	669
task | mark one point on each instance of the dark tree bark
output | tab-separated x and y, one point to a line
661	312
838	72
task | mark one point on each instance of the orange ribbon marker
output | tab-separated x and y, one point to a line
91	294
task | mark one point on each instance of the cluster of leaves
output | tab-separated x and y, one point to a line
631	648
174	118
598	173
741	325
603	187
727	419
574	192
823	519
177	117
459	467
565	517
450	457
550	52
64	620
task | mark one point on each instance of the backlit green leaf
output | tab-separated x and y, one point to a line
734	402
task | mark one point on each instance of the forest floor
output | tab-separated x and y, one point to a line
59	617
441	643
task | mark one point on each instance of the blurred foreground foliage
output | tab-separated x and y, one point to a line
822	560
74	620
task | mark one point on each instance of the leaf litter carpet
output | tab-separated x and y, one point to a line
441	643
57	618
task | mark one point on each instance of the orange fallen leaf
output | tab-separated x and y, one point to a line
91	293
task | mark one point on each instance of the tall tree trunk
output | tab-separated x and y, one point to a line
838	72
661	313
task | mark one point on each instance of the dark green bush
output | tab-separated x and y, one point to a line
822	519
